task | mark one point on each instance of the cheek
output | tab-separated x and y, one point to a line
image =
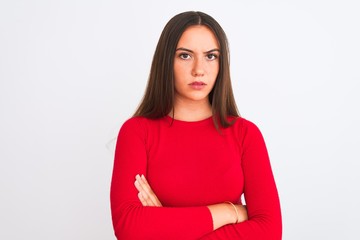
214	71
180	71
177	67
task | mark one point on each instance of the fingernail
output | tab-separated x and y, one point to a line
137	176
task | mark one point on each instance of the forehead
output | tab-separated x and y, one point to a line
198	37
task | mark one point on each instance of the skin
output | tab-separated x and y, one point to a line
196	60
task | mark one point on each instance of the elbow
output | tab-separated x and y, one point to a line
126	224
119	229
122	233
267	226
122	230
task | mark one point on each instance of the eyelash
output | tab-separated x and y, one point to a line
181	55
210	56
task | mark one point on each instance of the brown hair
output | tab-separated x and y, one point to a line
158	100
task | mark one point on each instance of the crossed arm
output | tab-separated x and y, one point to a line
132	220
222	213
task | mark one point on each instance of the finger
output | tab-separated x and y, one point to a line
149	195
138	186
142	200
146	191
142	195
152	195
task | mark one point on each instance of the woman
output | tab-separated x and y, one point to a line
185	158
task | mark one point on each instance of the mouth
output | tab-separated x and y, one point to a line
196	83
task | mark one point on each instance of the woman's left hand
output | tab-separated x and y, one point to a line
146	195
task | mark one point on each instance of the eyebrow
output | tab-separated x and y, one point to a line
191	51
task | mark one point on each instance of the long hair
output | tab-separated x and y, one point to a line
158	100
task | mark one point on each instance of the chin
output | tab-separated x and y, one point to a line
199	98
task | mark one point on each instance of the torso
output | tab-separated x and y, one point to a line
191	163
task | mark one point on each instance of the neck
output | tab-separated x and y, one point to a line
191	110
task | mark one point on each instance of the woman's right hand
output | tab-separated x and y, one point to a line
242	210
224	213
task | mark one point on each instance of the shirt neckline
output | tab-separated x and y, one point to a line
182	122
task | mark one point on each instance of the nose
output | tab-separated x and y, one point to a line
198	68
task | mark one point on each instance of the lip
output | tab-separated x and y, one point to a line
197	85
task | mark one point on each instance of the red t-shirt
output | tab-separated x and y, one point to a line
190	165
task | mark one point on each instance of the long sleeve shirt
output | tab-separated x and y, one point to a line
191	165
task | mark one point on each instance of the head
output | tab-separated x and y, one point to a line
159	96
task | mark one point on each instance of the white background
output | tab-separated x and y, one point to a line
72	71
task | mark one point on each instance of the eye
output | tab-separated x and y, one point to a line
211	56
185	56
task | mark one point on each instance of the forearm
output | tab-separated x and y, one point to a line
224	213
250	230
221	214
262	200
260	192
146	218
133	221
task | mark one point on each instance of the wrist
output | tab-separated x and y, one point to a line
233	212
222	214
243	216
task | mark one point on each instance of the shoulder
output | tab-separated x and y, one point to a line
244	125
133	129
245	129
139	124
133	122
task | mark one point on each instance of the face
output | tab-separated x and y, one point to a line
196	64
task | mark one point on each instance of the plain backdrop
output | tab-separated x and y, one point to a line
72	71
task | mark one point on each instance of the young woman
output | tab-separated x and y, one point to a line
185	158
